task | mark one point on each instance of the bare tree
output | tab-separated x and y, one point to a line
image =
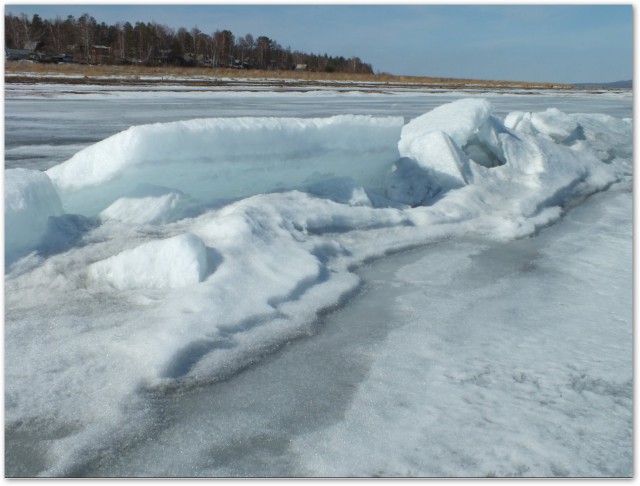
86	27
246	45
263	51
223	41
14	33
56	34
154	43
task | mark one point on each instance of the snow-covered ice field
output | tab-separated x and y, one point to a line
321	283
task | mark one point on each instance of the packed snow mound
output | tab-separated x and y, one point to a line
145	205
29	200
607	137
172	263
553	123
227	158
604	136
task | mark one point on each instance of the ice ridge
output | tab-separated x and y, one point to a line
200	245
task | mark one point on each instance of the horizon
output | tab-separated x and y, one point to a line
538	43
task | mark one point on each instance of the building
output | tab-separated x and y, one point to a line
19	54
99	54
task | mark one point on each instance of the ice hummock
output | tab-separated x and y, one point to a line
215	241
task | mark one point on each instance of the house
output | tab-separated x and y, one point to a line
99	54
300	67
19	54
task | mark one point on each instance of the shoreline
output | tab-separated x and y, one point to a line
282	84
104	75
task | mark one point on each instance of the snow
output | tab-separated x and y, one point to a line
514	326
175	262
185	251
146	204
505	361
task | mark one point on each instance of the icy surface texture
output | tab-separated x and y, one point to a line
505	360
189	250
29	200
175	262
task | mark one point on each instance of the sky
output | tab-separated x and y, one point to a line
543	43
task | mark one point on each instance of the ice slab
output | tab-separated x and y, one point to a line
226	158
29	199
459	119
434	141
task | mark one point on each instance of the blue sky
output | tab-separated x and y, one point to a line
555	43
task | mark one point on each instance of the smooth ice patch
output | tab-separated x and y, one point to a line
29	200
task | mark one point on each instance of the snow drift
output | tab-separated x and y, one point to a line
175	262
213	241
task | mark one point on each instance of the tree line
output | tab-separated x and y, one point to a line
87	41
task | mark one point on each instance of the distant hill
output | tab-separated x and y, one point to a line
615	84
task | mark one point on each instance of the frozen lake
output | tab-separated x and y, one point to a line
319	325
46	126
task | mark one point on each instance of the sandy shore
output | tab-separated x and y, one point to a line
28	72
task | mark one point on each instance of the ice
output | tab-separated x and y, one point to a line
459	119
189	250
553	123
175	262
344	190
430	147
602	135
508	360
29	200
227	158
